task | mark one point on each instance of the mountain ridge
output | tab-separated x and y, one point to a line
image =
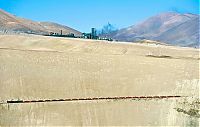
156	28
13	24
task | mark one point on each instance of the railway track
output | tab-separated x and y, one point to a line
89	99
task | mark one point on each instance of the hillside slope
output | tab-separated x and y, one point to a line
171	28
39	67
12	24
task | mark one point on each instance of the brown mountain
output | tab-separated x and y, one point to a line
12	24
171	28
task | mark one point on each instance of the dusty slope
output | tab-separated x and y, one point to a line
12	24
171	28
34	67
55	27
186	34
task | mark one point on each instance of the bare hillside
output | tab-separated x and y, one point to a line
170	28
37	68
12	24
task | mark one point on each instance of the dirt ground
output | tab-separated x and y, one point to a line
36	67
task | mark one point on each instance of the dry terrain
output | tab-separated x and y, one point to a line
37	67
10	24
180	29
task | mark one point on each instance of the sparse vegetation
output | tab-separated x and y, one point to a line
190	112
191	109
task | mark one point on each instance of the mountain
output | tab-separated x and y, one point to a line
55	27
185	34
171	28
12	24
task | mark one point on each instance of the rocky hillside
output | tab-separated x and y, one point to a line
171	28
12	24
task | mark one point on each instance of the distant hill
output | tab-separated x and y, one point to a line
12	24
171	28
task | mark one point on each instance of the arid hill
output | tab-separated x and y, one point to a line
12	24
46	68
171	28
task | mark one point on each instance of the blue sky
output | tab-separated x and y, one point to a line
84	14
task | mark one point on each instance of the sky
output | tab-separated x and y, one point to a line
84	14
